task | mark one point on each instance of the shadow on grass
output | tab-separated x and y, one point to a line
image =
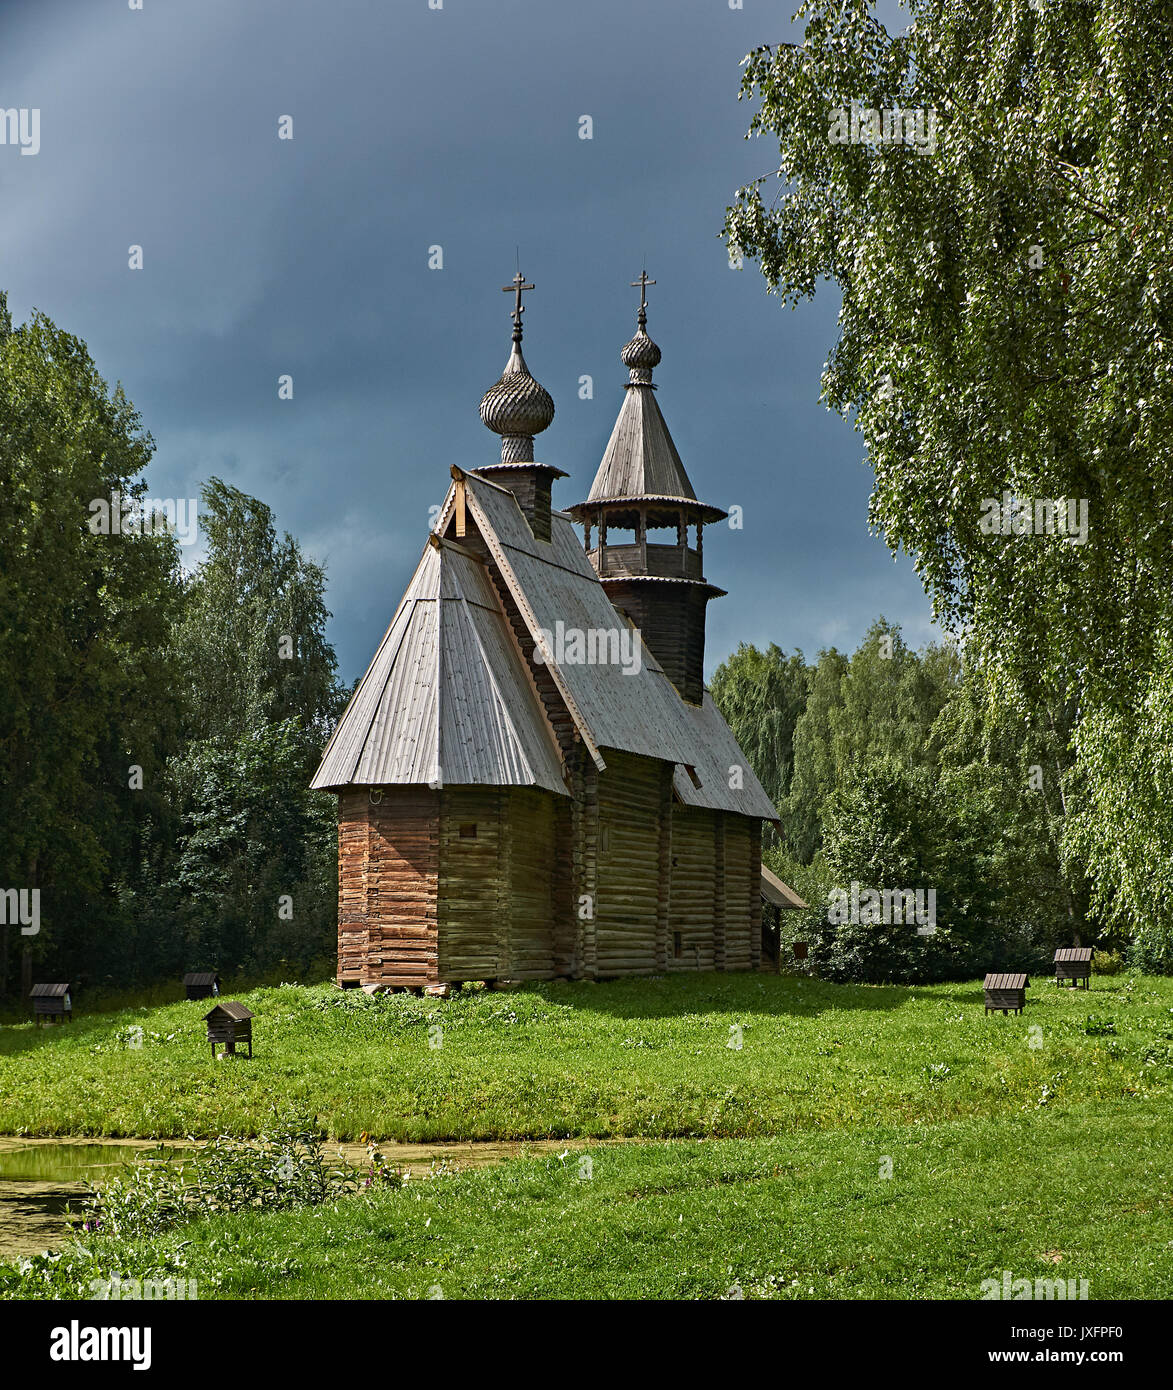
666	996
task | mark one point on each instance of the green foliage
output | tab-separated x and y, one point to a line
1123	826
971	834
1004	327
253	597
889	828
1150	957
220	686
254	835
762	695
1107	963
253	844
85	667
878	706
284	1167
911	773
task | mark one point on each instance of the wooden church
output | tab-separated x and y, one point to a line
532	779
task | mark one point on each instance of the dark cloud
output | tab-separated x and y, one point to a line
415	127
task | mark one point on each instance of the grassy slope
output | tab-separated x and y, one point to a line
644	1058
1052	1159
1043	1193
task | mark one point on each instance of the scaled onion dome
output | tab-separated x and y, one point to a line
517	407
641	354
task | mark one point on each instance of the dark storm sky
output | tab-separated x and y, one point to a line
415	127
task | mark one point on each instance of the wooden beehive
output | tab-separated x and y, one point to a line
1074	963
1006	993
230	1023
51	1002
201	984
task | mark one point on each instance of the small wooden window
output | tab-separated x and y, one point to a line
676	944
604	839
468	832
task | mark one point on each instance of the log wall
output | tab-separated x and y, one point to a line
693	890
529	918
420	902
738	902
474	885
388	869
626	914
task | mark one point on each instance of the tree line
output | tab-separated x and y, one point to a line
1005	331
159	723
902	770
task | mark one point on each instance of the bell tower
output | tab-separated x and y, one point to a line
644	528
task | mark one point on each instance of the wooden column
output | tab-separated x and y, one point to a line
586	837
664	908
505	964
755	902
719	887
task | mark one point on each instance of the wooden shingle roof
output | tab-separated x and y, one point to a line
779	893
1006	982
640	457
1065	953
201	977
448	690
237	1012
447	697
54	991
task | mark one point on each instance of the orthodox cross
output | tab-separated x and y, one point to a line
642	283
519	284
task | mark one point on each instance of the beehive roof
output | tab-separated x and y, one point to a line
237	1012
1006	982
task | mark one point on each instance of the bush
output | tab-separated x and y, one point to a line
286	1167
1107	962
1149	958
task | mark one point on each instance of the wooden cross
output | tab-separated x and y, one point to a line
519	284
643	282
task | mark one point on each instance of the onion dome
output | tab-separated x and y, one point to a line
641	354
517	407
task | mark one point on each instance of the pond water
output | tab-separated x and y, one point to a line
40	1178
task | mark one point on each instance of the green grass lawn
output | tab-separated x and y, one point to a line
644	1058
1039	1144
1085	1194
